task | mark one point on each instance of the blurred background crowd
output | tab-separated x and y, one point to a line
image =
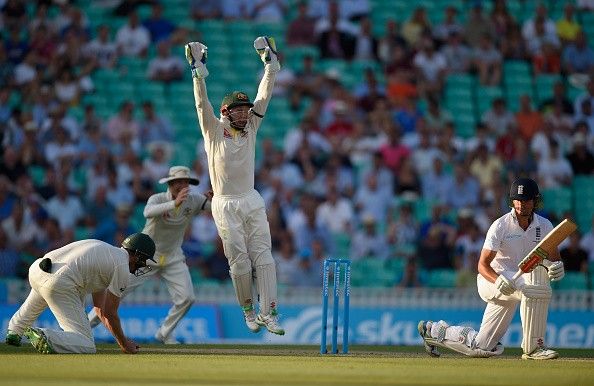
395	129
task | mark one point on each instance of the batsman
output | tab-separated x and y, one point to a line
509	239
237	208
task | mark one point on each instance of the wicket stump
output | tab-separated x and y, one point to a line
336	265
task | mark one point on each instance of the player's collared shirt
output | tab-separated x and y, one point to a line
167	224
513	243
231	153
93	265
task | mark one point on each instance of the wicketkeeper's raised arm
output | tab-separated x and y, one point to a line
266	48
196	53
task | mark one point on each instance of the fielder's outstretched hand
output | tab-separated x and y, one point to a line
196	54
266	48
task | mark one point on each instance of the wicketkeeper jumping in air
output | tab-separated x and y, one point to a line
509	239
237	208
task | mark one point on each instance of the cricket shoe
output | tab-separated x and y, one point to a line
166	339
12	338
424	329
38	340
250	320
270	321
541	353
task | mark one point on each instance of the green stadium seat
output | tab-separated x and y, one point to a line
137	220
558	200
516	67
485	96
465	124
544	86
422	209
460	80
442	278
572	281
37	174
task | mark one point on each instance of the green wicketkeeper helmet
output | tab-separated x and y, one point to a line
236	98
141	244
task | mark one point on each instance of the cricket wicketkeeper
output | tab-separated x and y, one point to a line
237	208
508	240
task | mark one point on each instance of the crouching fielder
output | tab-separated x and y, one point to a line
63	278
237	208
509	239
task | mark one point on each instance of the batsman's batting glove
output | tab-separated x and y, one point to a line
266	48
556	271
196	54
505	286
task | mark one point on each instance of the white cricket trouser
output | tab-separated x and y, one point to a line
498	314
176	276
243	227
66	301
244	230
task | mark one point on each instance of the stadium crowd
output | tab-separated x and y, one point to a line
378	171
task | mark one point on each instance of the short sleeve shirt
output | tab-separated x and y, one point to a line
511	242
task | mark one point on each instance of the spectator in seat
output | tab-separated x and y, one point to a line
366	45
416	26
581	158
102	50
205	9
160	28
488	61
578	57
133	39
448	26
165	67
529	120
457	55
574	257
300	30
567	27
336	44
368	242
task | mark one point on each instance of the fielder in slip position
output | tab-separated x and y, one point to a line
62	279
502	286
237	208
168	214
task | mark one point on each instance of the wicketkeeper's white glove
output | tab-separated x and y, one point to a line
266	48
504	285
556	271
196	54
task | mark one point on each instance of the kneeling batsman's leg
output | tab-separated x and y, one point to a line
533	312
456	338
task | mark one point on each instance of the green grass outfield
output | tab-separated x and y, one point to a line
287	365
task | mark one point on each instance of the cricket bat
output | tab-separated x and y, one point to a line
545	247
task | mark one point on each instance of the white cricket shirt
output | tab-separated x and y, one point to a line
511	242
93	265
167	224
231	154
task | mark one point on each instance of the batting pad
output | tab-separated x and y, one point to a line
266	284
534	310
243	289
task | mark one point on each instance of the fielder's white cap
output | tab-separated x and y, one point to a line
180	173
